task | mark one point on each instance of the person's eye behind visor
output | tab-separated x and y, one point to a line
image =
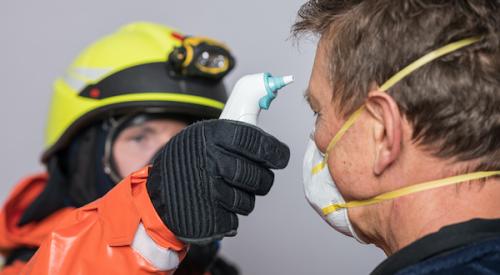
133	142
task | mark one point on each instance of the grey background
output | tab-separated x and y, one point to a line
39	39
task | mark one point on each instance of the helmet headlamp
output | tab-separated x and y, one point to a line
202	57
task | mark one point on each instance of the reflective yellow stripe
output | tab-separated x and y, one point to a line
182	98
410	190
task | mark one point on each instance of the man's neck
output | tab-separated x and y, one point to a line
395	224
412	218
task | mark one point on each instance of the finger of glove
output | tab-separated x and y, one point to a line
248	141
233	199
226	222
241	173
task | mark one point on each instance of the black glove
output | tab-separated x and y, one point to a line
210	172
202	259
199	259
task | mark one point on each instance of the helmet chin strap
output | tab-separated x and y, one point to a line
109	165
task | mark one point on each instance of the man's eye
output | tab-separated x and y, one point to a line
138	138
315	113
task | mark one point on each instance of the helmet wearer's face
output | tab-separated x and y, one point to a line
136	145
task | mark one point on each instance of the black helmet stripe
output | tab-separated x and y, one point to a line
155	78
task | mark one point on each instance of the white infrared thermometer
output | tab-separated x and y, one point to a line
251	94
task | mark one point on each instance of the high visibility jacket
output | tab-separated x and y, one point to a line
120	233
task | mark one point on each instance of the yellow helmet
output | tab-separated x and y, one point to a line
141	66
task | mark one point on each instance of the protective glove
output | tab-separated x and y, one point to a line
210	172
199	259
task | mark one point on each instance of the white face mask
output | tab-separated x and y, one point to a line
321	192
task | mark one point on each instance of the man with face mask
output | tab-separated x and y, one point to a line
406	147
117	105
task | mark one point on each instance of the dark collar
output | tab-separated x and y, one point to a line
447	238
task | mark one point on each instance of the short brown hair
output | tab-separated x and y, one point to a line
453	103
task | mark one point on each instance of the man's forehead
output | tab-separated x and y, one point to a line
322	52
319	84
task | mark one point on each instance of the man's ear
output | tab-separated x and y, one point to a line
387	130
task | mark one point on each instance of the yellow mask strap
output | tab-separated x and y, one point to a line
388	84
410	190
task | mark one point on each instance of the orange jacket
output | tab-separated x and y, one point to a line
99	238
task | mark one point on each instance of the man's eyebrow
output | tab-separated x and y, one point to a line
312	103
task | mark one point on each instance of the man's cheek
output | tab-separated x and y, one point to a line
322	134
351	162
